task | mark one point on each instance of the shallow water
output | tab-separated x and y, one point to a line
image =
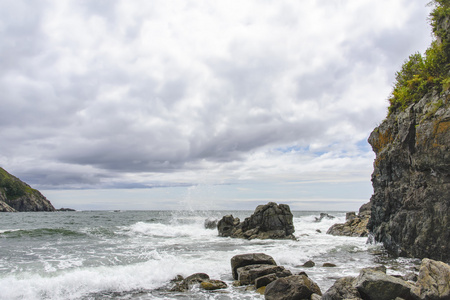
135	254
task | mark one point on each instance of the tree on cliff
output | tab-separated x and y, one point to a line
422	74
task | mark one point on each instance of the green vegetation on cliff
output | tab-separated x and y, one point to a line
423	74
12	186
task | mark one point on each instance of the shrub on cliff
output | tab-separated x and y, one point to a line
431	72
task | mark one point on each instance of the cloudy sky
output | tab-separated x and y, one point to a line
195	104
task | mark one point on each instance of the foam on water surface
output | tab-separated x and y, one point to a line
131	255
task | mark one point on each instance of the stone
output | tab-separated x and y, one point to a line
227	225
316	297
350	215
270	221
328	265
291	288
324	215
183	285
376	285
211	223
265	280
433	281
356	227
196	278
248	274
411	180
309	264
243	260
342	289
212	284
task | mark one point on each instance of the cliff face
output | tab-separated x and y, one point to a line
16	195
411	180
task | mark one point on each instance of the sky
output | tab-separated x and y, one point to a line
195	104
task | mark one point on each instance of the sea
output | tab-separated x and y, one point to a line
136	254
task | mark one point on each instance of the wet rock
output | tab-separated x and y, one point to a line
433	281
186	283
350	216
243	260
328	265
324	215
212	284
211	223
343	288
265	280
376	285
353	227
227	225
309	264
248	274
270	221
292	287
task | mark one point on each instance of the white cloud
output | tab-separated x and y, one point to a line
139	93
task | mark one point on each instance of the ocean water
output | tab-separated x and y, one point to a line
135	254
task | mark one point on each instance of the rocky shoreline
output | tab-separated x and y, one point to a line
260	273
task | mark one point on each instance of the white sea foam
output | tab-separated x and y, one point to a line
145	251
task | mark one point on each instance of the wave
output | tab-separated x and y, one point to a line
39	232
167	230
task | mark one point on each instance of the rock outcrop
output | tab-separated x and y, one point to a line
411	180
375	284
355	225
270	221
16	195
411	177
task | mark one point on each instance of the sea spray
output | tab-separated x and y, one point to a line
135	254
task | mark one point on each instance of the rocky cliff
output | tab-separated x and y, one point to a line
16	195
411	178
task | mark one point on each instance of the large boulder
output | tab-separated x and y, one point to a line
243	260
291	288
343	288
248	274
270	221
433	281
377	285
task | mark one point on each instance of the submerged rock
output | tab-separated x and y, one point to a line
270	221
